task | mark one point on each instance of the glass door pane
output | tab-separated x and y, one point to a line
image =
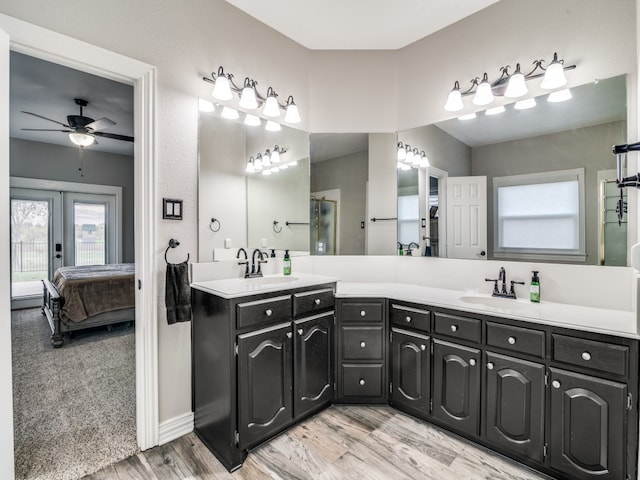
29	246
89	220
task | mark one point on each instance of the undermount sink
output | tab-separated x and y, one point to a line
511	304
271	280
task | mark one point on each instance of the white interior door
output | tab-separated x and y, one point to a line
467	217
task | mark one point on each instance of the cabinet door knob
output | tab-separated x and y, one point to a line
362	344
472	362
454	328
408	319
317	301
300	331
586	356
361	382
423	347
362	313
268	312
511	340
555	384
490	366
289	334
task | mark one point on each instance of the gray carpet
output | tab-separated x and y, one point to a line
74	407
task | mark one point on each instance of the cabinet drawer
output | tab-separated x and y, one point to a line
362	380
362	311
457	327
409	317
605	357
315	301
276	309
516	339
362	343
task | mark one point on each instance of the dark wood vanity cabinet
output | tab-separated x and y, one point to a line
260	363
410	371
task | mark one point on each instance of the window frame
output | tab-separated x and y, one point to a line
565	255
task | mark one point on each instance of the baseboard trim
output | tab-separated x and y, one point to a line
175	428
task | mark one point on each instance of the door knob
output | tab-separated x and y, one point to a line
423	347
300	331
289	334
555	384
362	313
408	319
317	301
454	328
472	362
490	366
362	344
482	253
361	382
586	356
511	340
268	312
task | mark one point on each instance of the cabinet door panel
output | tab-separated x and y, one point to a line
264	383
456	386
515	405
313	375
588	420
410	367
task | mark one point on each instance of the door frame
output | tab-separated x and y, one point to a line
23	37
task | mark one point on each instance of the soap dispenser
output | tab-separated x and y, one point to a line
534	290
286	263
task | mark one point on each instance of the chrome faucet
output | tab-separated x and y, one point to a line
246	261
502	277
255	264
409	247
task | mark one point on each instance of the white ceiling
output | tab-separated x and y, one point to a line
358	24
48	89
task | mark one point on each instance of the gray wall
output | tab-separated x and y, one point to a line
349	174
54	162
588	148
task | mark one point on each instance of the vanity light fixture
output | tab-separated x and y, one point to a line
230	113
508	85
250	98
250	166
266	159
409	157
559	96
269	160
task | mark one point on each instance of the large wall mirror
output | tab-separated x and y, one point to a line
519	151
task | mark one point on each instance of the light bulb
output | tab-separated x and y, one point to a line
416	157
559	96
266	159
205	105
483	95
402	153
222	87
250	167
409	158
291	115
495	110
516	87
424	161
81	139
252	120
271	107
258	162
248	97
454	100
554	75
525	104
230	113
272	126
275	155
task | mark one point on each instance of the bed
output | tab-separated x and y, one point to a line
88	296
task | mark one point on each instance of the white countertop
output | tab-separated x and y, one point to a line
240	287
600	320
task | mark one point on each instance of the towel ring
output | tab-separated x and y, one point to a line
275	226
212	225
173	243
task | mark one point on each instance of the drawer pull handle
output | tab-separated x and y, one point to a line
361	382
472	362
268	312
586	356
490	366
317	301
454	328
300	331
423	347
408	319
555	384
511	340
362	313
362	344
289	334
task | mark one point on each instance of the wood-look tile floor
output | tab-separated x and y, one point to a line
342	442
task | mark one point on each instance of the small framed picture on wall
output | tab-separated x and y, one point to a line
171	209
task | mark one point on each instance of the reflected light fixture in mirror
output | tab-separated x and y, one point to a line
510	86
409	157
250	98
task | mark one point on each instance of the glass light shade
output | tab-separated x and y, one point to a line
402	153
222	88
248	98
230	113
424	160
250	167
560	96
410	155
283	166
275	156
454	101
525	104
252	120
484	95
517	86
468	116
291	114
553	76
81	139
271	107
275	169
205	105
258	163
417	158
495	110
272	126
266	159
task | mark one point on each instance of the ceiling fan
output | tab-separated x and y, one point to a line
82	130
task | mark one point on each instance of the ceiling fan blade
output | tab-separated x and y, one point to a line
46	130
100	124
113	136
45	118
